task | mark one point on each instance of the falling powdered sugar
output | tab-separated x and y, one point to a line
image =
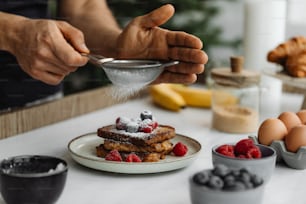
130	81
121	93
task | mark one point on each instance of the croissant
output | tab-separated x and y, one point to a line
291	47
296	64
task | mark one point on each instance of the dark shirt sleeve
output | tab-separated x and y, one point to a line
16	87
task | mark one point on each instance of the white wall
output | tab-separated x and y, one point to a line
296	22
231	19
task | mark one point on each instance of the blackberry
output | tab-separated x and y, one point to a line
146	114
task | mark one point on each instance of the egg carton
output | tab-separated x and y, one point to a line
294	160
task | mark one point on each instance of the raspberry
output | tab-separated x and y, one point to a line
154	124
132	158
121	123
241	156
113	155
243	146
227	150
180	149
253	152
145	129
145	126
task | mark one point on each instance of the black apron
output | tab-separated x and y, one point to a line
16	87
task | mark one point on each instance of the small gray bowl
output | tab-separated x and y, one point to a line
204	195
32	179
263	167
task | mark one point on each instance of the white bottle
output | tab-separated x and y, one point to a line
264	29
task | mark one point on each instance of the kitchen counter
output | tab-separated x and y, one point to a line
85	185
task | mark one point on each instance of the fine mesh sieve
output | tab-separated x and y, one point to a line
130	72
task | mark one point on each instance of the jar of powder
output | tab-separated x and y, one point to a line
235	98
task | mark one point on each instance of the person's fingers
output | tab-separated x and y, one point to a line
74	36
52	79
156	17
48	77
187	68
60	70
46	60
183	39
188	55
69	44
57	66
41	66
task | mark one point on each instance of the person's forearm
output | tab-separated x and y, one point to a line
9	30
96	21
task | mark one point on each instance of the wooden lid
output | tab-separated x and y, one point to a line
235	76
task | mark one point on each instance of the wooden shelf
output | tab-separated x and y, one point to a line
23	120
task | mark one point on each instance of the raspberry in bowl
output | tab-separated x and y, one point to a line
225	185
260	159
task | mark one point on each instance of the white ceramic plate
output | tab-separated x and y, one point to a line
83	150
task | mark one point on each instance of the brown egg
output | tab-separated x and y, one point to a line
302	115
271	129
290	119
296	138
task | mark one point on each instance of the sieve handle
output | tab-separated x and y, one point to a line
97	59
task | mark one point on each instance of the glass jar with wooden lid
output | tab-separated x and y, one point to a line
235	98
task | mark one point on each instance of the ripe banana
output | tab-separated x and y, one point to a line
165	97
223	98
196	97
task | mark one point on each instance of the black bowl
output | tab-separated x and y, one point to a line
32	179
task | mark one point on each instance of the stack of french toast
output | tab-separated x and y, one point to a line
142	137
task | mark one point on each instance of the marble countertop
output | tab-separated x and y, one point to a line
85	185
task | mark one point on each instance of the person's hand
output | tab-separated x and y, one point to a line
142	38
49	50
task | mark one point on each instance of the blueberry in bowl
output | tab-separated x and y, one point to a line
32	179
225	185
